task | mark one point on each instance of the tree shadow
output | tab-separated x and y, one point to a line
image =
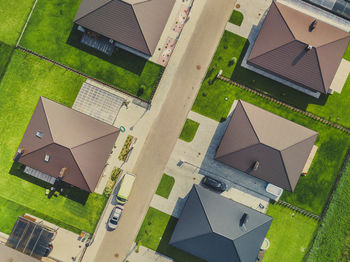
273	88
120	57
173	252
69	191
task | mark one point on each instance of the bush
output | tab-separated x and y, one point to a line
111	182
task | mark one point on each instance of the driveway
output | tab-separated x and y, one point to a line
173	100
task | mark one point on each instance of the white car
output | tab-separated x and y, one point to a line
115	216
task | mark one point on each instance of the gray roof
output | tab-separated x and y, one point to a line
209	228
73	140
135	23
281	48
280	146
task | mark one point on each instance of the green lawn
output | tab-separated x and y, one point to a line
312	191
236	18
13	17
5	55
155	233
332	242
332	107
189	130
290	235
51	33
165	186
26	79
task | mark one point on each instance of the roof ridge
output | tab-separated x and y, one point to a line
97	138
81	172
137	20
94	10
299	141
320	70
206	215
46	118
347	36
273	49
284	20
34	151
244	148
251	124
233	241
285	170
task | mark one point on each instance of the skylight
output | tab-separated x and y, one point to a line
39	134
47	158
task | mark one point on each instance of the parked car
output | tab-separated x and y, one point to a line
214	184
125	188
115	216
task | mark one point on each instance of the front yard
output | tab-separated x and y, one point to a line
290	235
155	233
26	79
51	33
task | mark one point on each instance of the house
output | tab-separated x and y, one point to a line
132	24
60	142
299	48
265	146
216	228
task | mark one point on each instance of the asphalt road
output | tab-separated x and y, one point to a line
183	83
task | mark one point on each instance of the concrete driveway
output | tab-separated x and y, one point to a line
173	100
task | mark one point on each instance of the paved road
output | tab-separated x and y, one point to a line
183	79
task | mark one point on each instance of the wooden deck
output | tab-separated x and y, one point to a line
98	42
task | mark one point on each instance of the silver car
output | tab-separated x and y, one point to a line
115	216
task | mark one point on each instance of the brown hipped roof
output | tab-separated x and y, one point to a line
281	48
281	147
135	23
73	140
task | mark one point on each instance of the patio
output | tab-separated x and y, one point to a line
98	103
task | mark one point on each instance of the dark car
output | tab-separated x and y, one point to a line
214	184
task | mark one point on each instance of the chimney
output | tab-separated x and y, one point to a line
308	48
256	165
243	221
63	170
18	155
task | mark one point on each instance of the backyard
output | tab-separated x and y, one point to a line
331	107
51	33
332	242
290	234
155	233
13	17
26	79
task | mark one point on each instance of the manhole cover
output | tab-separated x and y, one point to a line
238	6
198	67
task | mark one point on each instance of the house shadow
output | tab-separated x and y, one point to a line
71	192
269	86
120	57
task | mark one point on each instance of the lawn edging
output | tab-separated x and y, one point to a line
268	97
79	73
299	210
